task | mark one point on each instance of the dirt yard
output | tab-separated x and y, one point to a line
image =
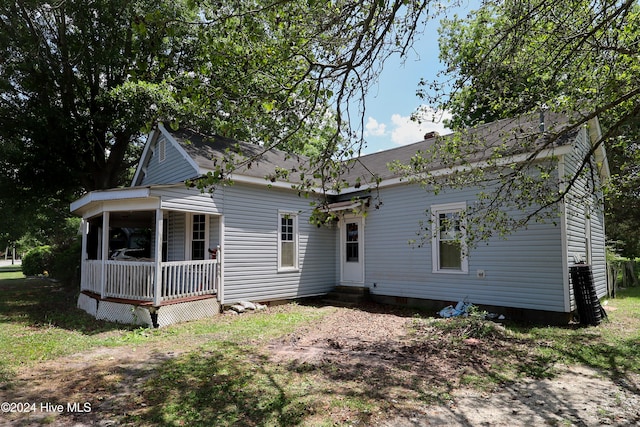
110	379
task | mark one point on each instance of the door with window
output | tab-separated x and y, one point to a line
352	250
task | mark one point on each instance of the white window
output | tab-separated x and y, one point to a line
199	234
448	245
165	238
287	241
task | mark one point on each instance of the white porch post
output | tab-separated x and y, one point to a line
84	227
157	286
105	252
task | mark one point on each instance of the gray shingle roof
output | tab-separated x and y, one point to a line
511	136
250	159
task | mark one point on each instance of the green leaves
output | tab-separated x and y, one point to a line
572	57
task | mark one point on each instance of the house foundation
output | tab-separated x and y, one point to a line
510	313
126	312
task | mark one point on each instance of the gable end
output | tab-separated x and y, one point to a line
164	161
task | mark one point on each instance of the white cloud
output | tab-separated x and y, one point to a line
401	130
374	128
406	131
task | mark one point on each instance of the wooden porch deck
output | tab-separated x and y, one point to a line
140	303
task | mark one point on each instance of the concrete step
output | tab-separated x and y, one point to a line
348	296
359	290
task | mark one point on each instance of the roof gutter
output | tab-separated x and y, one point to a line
518	158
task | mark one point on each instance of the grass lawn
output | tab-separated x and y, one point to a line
39	321
223	374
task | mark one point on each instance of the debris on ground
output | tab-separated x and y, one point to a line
461	309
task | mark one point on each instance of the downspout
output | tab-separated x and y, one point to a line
220	259
564	239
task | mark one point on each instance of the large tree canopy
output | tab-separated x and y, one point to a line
577	56
80	81
513	57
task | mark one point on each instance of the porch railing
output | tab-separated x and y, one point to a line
136	280
91	276
182	279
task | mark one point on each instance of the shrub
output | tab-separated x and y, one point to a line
37	261
65	264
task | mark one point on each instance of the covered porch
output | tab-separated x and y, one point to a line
147	283
145	264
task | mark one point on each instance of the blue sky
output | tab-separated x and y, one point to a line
393	99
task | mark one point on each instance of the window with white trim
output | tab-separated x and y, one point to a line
198	236
449	238
287	241
165	238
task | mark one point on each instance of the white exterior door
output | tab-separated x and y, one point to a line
352	250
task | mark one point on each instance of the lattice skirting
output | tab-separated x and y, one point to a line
185	311
88	304
123	313
136	315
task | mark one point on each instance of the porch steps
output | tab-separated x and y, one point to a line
347	296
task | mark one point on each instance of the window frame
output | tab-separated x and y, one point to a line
295	240
165	237
189	236
436	210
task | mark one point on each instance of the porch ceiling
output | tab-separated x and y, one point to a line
132	219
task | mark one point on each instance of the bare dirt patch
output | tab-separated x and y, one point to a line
388	353
381	345
109	380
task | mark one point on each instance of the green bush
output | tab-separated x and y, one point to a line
65	264
37	261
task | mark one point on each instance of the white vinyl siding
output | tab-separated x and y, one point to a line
251	247
180	198
525	270
172	169
214	232
176	233
584	216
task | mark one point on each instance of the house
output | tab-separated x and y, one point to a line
252	239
